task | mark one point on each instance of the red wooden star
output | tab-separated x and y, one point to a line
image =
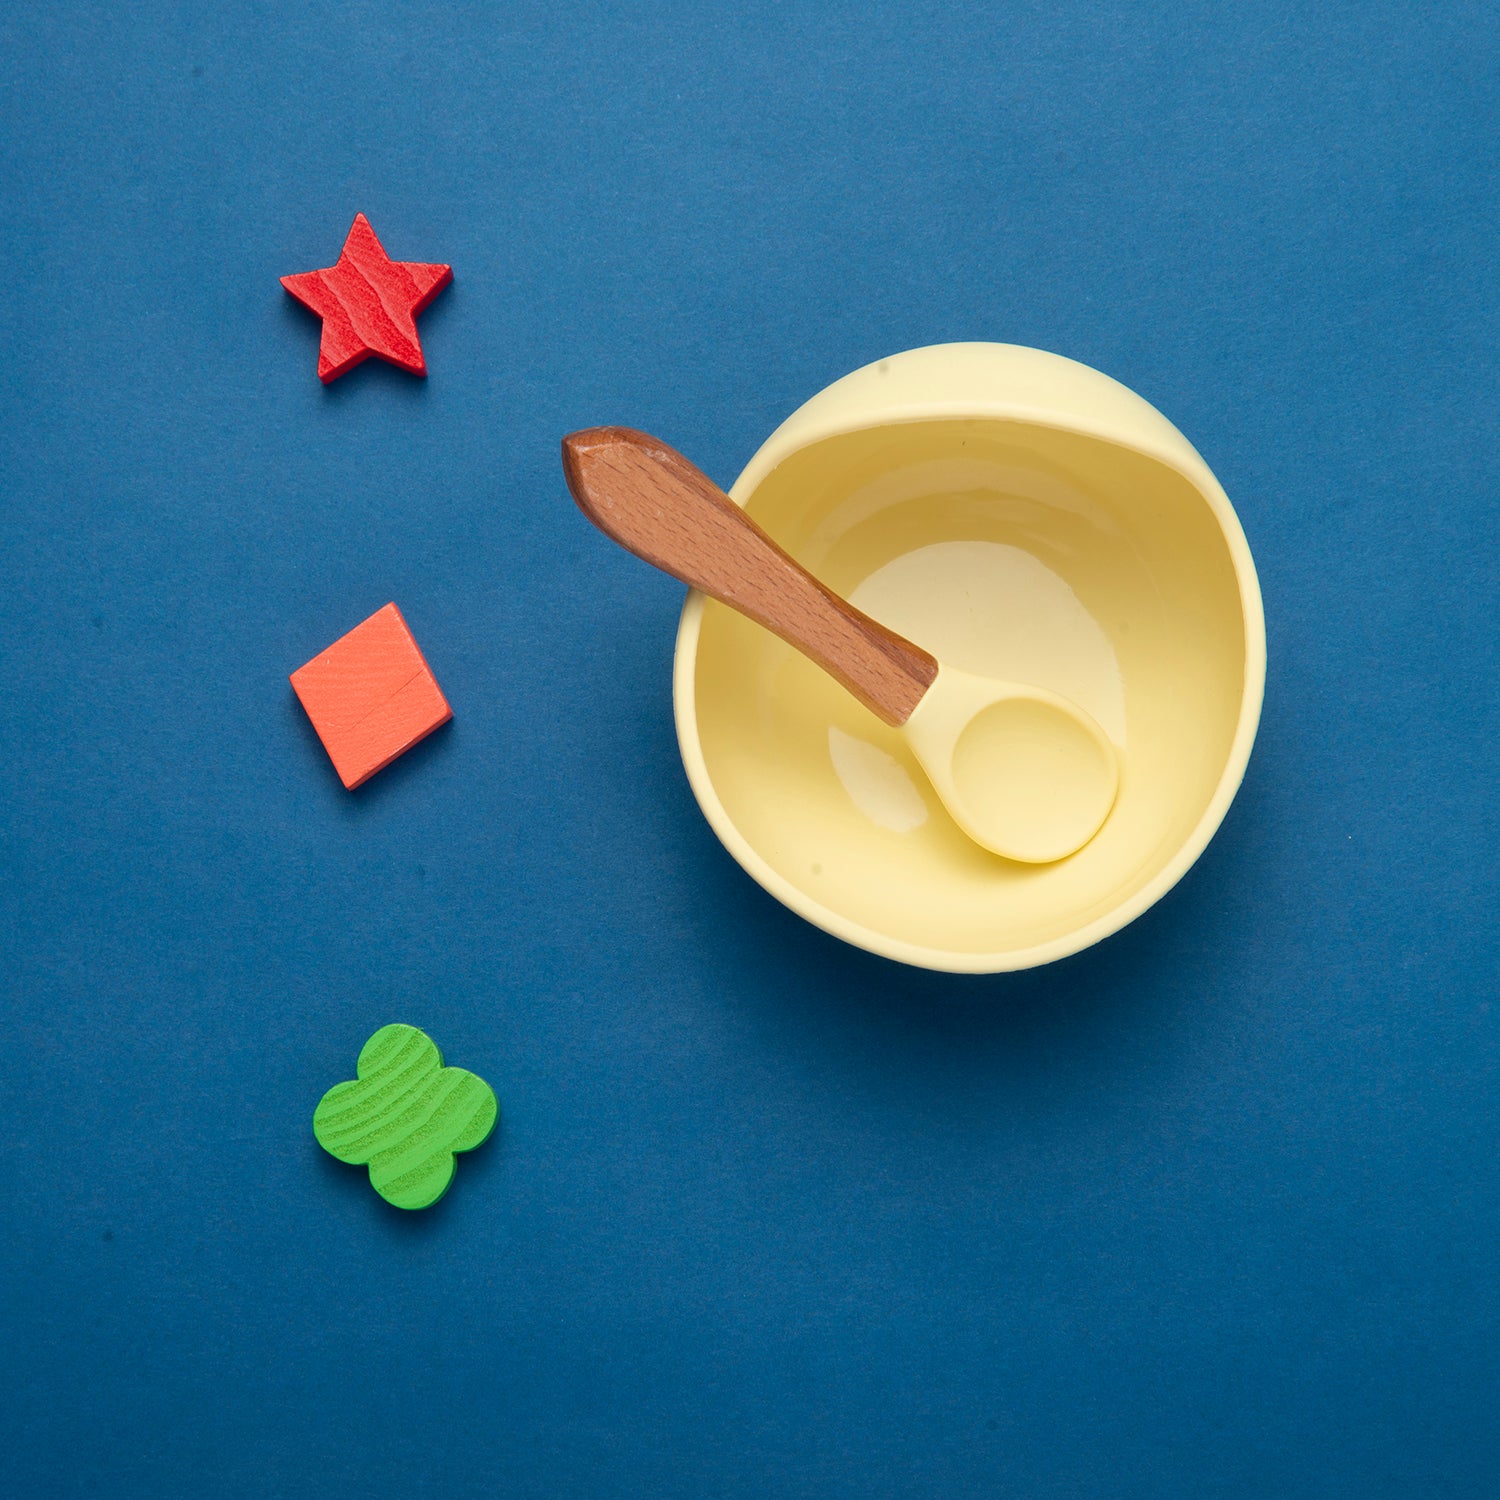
368	303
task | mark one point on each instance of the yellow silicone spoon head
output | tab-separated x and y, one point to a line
1024	772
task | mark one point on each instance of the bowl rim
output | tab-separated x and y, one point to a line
807	431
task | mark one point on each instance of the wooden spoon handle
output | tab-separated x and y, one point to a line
656	504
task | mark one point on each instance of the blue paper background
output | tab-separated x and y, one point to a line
1209	1210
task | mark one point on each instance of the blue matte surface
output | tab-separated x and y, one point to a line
1212	1210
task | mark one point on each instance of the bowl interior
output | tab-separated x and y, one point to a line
1004	547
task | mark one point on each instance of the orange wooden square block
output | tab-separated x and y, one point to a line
371	696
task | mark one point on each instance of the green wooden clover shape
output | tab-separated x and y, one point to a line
406	1115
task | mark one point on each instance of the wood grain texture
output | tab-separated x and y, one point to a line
654	503
368	303
371	696
405	1115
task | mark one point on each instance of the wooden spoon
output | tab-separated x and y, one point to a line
1024	772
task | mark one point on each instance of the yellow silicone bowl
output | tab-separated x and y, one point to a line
1019	515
